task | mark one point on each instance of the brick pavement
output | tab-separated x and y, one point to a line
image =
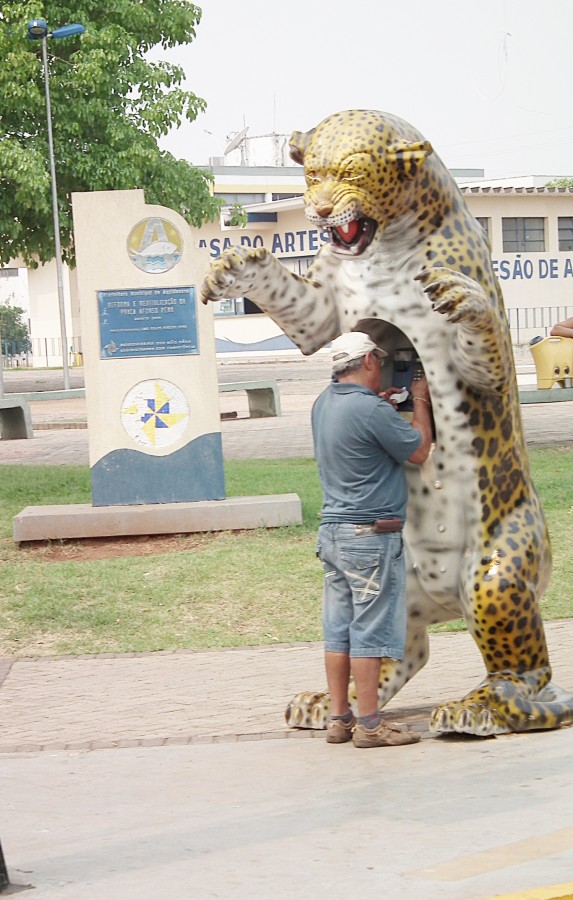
196	697
60	439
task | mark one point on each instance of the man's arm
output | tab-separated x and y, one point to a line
563	329
422	420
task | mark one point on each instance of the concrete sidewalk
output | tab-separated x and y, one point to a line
167	776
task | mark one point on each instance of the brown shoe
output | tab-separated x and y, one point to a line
339	732
387	734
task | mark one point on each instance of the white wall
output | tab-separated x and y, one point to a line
537	287
45	331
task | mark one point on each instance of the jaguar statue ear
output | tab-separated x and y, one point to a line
298	144
409	155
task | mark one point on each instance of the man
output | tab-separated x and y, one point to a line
361	443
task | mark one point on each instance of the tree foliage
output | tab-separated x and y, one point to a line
110	104
561	183
12	326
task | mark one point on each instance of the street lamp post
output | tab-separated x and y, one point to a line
38	31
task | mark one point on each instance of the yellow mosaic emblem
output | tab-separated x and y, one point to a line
155	414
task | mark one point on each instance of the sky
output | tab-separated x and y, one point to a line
488	82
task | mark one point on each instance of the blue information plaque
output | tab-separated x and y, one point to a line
148	322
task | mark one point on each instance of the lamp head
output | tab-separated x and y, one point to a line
67	30
37	29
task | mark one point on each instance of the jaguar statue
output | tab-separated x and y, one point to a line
409	264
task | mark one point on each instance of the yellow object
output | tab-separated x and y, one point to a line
553	358
557	892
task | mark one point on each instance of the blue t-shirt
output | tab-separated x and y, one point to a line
360	444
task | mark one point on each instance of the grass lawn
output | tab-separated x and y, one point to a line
215	590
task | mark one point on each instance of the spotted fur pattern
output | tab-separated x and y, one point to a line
409	264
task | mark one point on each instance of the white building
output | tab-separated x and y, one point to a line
530	228
529	225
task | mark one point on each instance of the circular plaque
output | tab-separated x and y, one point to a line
154	246
155	414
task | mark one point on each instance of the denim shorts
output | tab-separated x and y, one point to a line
364	601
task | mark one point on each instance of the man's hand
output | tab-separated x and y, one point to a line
389	392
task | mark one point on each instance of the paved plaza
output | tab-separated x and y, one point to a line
173	775
61	438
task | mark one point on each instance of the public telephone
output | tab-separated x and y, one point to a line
402	366
406	368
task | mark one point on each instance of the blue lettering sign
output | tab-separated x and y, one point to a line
553	273
277	246
517	272
548	268
504	270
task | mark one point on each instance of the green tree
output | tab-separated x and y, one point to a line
238	216
561	182
12	326
110	105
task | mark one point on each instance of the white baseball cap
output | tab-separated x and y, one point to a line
349	346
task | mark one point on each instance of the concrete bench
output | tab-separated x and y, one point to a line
545	395
15	419
34	396
263	396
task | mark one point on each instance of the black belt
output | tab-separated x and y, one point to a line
380	526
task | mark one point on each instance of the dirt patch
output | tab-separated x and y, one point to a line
112	547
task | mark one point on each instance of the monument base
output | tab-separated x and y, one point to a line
82	520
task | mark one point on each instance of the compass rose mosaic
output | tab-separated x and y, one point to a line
155	414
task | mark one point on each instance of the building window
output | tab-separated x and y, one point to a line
240	306
232	307
245	199
484	222
250	308
8	273
288	196
565	231
523	235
